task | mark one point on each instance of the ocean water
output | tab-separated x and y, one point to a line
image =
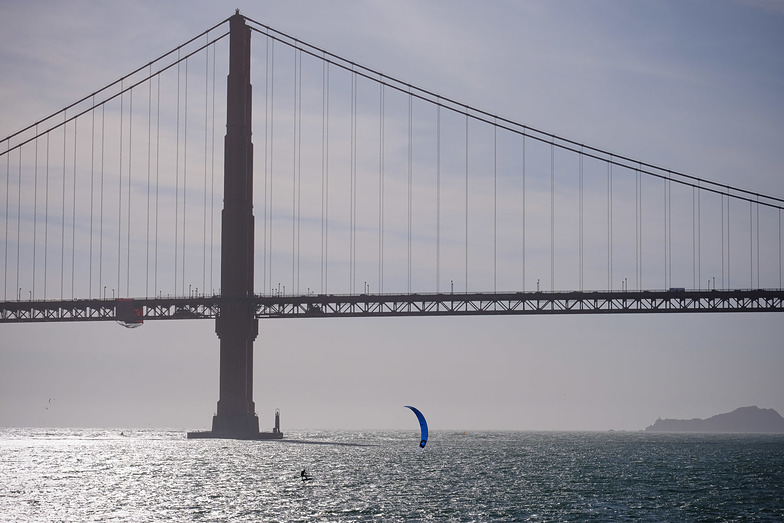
148	475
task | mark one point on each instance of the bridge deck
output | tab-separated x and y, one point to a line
435	304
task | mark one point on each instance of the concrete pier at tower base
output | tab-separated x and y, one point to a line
209	434
238	427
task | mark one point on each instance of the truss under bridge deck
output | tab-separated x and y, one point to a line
137	310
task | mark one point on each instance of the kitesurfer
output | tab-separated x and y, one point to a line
304	475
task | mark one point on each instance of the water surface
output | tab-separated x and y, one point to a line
149	475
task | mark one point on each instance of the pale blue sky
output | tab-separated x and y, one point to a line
692	86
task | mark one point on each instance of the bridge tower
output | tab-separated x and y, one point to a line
236	325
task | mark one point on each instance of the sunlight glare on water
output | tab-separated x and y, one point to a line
103	475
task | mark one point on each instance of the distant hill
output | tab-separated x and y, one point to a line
744	419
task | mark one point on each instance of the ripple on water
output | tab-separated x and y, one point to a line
91	475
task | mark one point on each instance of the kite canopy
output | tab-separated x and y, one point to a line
423	427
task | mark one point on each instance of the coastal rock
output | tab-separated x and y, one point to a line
743	419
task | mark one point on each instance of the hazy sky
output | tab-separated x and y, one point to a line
693	86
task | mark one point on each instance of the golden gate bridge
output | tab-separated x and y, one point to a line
372	197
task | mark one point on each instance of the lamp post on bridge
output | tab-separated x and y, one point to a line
236	325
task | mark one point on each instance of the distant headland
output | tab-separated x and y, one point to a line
743	419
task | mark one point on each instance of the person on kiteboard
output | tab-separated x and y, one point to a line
304	475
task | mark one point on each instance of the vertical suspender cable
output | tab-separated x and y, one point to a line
326	181
271	221
667	232
5	236
62	216
438	196
523	224
297	192
665	237
119	193
694	237
352	184
323	167
699	236
46	215
326	176
35	213
410	175
128	224
149	183
265	225
103	171
35	208
157	175
351	173
729	249
639	256
212	175
92	199
466	198
609	224
177	179
299	172
757	207
552	216
19	217
184	174
637	231
294	184
495	206
580	219
722	242
206	155
73	219
381	188
751	245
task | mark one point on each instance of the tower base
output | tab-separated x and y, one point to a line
209	434
237	427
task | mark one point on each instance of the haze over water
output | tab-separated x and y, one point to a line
113	475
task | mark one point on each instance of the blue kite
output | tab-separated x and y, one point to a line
422	425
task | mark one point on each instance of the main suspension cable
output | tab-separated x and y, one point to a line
505	123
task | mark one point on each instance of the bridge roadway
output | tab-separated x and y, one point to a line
425	304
